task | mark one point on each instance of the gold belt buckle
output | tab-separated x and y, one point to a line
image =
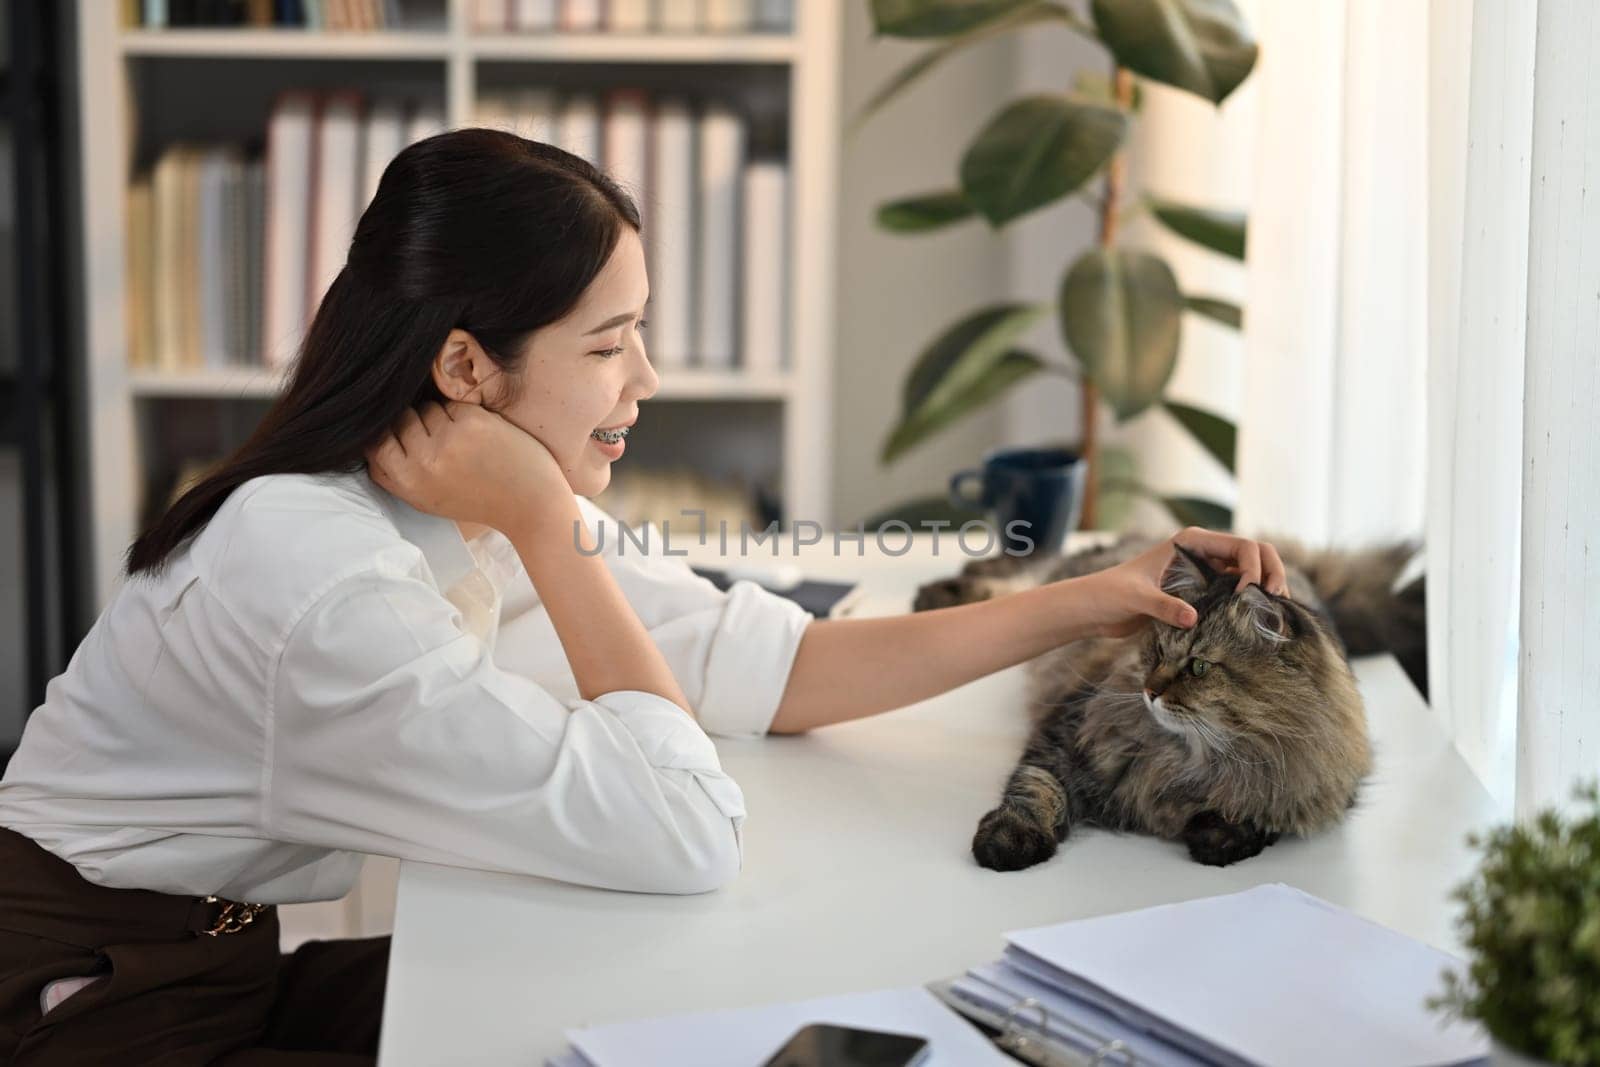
233	917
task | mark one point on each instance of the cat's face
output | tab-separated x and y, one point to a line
1252	667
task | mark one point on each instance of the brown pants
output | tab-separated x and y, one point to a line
171	993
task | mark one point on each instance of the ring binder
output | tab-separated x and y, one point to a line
1036	1044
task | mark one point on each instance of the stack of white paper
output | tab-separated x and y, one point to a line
1268	976
747	1037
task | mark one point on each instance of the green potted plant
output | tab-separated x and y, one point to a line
1531	924
1119	309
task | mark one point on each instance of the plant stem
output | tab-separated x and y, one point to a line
1110	207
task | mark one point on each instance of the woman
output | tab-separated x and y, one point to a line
307	663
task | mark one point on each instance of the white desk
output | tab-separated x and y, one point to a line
858	876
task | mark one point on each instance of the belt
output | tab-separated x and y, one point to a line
44	895
225	916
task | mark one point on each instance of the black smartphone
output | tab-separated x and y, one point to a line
826	1045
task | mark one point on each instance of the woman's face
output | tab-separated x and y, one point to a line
584	372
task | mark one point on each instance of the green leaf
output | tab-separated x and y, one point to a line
947	406
1223	311
1215	433
936	18
1018	16
1197	511
1220	231
1037	150
1121	312
1202	46
922	509
964	353
917	214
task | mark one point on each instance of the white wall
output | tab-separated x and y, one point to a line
896	293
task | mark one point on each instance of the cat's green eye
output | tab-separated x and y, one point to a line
1198	667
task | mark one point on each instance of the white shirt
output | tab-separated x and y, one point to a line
324	671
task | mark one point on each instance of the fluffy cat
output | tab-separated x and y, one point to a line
1252	726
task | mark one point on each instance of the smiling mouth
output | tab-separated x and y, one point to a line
611	437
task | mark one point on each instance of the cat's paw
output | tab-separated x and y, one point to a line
948	592
1009	840
1214	841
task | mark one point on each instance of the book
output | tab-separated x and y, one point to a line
383	136
629	16
536	16
578	126
537	109
494	111
670	243
425	120
727	16
335	189
580	16
187	281
764	326
679	16
773	16
237	294
210	295
255	185
721	151
626	147
290	131
489	16
166	196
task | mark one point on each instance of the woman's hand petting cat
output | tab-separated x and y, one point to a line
1121	598
466	463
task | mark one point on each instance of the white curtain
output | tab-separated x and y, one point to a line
1332	437
1422	341
1558	720
1514	494
1481	100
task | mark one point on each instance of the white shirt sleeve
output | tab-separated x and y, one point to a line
391	731
730	650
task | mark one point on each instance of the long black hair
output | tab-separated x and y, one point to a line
477	229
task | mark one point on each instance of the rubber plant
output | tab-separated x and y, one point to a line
1119	309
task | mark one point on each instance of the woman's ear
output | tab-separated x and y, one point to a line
461	368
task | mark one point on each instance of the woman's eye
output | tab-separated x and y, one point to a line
609	352
641	324
1198	667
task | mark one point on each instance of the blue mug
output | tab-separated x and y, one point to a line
1042	487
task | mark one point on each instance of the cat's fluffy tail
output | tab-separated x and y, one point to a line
1374	602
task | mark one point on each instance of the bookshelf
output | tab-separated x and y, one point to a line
140	88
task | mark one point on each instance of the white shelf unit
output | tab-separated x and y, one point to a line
794	405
